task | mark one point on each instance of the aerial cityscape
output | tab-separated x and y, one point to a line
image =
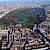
25	25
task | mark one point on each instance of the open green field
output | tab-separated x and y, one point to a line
29	15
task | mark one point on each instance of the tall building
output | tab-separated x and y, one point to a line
46	23
48	15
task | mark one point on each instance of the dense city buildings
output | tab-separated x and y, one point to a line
24	26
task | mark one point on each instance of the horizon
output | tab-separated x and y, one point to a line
24	0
